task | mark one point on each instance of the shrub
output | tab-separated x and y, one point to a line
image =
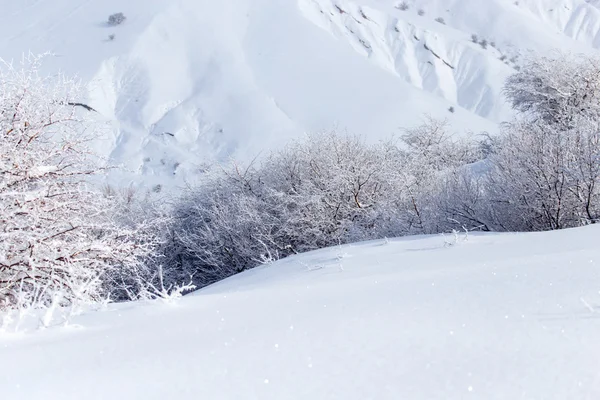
60	239
116	19
555	144
421	12
440	20
326	190
403	6
557	89
542	170
546	177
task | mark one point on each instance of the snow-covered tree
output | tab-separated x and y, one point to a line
546	162
337	188
529	177
432	152
322	191
327	189
59	238
221	227
543	168
461	200
556	89
546	177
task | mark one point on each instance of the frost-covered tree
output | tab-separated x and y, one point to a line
542	170
547	161
327	189
349	189
529	179
432	152
557	89
59	238
221	227
461	200
546	177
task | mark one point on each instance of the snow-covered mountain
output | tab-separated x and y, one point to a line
185	81
495	317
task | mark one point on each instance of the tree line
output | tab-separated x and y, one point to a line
65	241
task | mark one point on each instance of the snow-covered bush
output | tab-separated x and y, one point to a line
348	189
222	226
325	190
116	19
150	218
546	177
547	162
432	154
557	89
543	169
460	200
59	238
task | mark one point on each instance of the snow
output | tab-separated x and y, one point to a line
189	81
492	316
511	316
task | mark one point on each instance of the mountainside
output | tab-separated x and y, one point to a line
185	81
494	317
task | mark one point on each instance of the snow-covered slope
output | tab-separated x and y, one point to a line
512	316
184	81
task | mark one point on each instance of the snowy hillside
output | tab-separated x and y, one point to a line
512	316
186	81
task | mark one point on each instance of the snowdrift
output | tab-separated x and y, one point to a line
498	316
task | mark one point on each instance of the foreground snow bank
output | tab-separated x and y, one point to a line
512	316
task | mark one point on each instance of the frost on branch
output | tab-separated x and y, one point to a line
59	238
543	168
433	156
326	190
556	89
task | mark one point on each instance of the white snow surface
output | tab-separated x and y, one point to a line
497	316
189	81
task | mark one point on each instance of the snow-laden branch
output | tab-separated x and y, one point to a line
61	239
